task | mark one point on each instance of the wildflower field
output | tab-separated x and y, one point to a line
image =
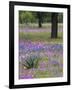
40	44
40	56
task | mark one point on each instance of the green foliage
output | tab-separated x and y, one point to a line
26	17
33	17
60	17
32	62
46	17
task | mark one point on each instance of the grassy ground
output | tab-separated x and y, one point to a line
34	25
42	36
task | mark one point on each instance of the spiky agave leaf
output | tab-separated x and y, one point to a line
31	62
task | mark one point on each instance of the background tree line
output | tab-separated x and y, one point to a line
36	17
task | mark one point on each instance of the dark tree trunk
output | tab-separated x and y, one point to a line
54	25
39	19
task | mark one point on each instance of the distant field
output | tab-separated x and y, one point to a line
34	25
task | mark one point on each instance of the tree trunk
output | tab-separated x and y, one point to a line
54	30
39	19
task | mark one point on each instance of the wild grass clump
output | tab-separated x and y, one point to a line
32	62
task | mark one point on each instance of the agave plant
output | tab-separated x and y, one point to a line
31	62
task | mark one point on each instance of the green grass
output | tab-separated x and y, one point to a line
42	74
41	36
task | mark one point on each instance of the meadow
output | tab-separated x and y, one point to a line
40	56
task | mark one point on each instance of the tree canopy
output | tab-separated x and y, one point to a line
34	17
